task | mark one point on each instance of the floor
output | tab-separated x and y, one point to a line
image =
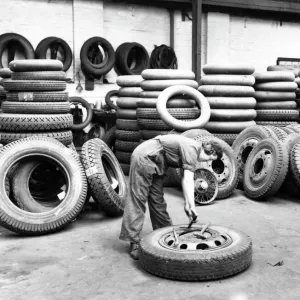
87	261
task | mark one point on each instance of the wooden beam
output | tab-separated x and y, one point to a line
196	38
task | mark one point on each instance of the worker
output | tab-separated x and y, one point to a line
149	163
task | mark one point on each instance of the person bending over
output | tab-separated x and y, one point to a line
149	163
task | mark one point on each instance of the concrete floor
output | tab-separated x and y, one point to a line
87	261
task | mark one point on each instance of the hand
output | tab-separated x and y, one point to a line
191	213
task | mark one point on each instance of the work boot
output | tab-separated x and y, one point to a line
134	250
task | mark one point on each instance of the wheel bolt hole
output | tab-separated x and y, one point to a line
170	242
218	166
258	166
202	246
217	243
183	246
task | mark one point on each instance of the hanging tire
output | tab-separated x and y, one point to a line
167	74
55	42
276	105
265	169
89	110
226	91
34	85
28	223
232	115
38	96
195	259
233	69
97	70
35	65
228	127
129	80
231	102
43	75
7	38
274	76
103	171
242	80
281	115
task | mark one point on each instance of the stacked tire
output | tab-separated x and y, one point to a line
36	102
5	73
230	93
127	132
275	93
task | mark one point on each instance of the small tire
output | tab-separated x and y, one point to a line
226	91
242	80
89	110
108	101
35	65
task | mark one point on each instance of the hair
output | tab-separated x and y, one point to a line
218	148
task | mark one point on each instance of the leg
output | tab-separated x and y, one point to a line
157	204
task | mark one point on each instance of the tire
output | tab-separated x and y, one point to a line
275	123
130	92
125	168
132	54
43	75
23	222
261	187
291	140
65	137
226	91
127	102
97	70
123	157
109	137
172	103
126	114
125	124
55	42
280	134
274	96
34	85
281	86
274	76
242	80
160	85
281	115
89	110
8	38
232	115
38	96
179	124
294	163
126	135
149	94
232	69
283	68
231	102
167	74
35	65
229	138
195	265
126	146
100	165
228	127
26	122
108	101
5	73
35	107
178	113
150	134
276	105
153	124
129	80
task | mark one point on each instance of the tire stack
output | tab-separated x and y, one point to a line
36	103
275	93
127	133
230	93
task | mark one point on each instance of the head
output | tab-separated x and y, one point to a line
211	151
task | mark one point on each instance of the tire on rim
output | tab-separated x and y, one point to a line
265	169
23	222
105	177
195	259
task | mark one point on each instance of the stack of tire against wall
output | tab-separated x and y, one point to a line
275	93
230	93
36	102
127	132
5	74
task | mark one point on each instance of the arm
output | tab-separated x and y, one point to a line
188	193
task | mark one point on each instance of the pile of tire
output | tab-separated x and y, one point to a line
127	132
36	102
230	93
275	93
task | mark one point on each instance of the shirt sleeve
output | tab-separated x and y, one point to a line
189	157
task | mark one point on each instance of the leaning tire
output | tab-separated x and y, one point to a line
24	222
183	263
101	166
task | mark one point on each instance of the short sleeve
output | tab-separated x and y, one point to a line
189	156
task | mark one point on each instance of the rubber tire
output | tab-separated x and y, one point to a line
274	76
130	92
45	44
43	75
38	96
229	138
228	127
34	85
108	102
89	110
127	102
125	168
126	146
129	80
150	134
123	157
227	91
283	68
126	114
276	105
35	107
232	115
126	135
167	74
274	96
106	65
36	122
233	69
154	124
65	137
272	114
172	103
7	38
23	222
231	102
93	153
125	124
195	265
281	86
294	163
280	134
35	65
5	73
277	175
149	94
275	123
109	137
161	107
178	113
241	80
160	85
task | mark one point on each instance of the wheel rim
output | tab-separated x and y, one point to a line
206	186
189	239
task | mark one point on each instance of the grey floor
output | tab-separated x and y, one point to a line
87	261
